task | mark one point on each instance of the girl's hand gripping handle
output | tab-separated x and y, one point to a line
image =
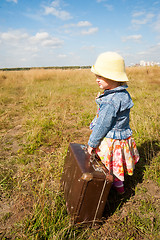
90	150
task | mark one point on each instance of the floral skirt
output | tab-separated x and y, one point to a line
118	156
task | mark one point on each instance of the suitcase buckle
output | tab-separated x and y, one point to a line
97	168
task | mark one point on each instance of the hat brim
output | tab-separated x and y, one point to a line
115	76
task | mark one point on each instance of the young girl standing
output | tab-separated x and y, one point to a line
111	135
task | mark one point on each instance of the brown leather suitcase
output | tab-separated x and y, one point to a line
85	186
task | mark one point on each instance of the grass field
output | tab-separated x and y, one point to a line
41	112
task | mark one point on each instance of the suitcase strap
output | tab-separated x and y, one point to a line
104	185
108	179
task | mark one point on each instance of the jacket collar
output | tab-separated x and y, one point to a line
117	89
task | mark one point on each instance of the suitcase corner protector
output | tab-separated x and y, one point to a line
87	176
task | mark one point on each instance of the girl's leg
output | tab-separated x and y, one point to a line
119	186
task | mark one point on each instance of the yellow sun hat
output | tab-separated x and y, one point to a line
110	65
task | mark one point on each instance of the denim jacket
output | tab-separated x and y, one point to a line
112	120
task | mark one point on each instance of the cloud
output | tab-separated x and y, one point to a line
142	53
88	48
56	10
62	55
156	25
57	13
79	24
98	1
56	3
40	36
37	49
32	49
109	7
137	14
89	31
21	39
151	53
15	1
155	49
53	42
45	40
83	24
146	19
34	16
13	36
132	37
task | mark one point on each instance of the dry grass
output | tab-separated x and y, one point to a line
41	112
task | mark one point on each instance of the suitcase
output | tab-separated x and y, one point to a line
84	184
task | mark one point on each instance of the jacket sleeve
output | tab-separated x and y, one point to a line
106	118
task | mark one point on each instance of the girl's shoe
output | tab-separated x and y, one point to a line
118	185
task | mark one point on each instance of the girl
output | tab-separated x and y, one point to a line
111	135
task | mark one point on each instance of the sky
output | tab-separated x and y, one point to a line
44	33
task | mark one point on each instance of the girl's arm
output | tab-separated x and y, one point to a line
106	118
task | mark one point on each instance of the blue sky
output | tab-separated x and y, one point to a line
42	33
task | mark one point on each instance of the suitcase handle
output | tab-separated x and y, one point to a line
93	158
97	167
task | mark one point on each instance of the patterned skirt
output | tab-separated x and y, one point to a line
118	156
